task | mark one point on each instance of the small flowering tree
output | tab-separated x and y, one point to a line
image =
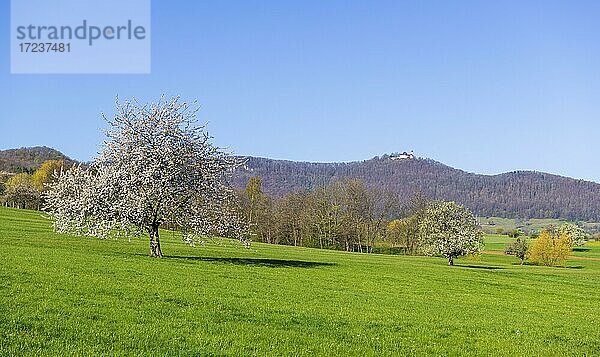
156	167
450	230
576	233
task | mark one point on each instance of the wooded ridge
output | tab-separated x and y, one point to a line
519	194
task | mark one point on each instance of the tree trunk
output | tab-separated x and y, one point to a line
359	244
450	260
155	242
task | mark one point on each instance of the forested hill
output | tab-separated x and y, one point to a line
28	159
521	194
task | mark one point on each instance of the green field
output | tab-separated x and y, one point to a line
63	295
491	224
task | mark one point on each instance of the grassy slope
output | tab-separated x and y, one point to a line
69	295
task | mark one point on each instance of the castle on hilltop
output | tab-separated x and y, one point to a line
403	156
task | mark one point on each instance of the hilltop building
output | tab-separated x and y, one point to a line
405	155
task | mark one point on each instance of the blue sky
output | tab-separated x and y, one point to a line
485	86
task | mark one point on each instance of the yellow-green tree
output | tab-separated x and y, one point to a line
45	174
257	208
404	233
254	195
394	232
21	193
550	249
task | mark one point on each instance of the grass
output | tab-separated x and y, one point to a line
62	295
490	224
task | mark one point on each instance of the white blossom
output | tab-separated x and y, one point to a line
576	233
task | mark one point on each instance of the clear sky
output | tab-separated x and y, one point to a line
485	86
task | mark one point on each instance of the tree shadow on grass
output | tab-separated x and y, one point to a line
485	267
581	249
260	262
552	266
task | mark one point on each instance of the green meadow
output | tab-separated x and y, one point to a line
63	295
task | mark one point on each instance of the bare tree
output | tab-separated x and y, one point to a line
157	166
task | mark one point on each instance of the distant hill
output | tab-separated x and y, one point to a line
28	159
520	194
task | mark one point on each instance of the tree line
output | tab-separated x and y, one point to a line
348	215
344	215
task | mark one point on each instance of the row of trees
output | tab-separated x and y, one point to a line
26	190
347	215
343	215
